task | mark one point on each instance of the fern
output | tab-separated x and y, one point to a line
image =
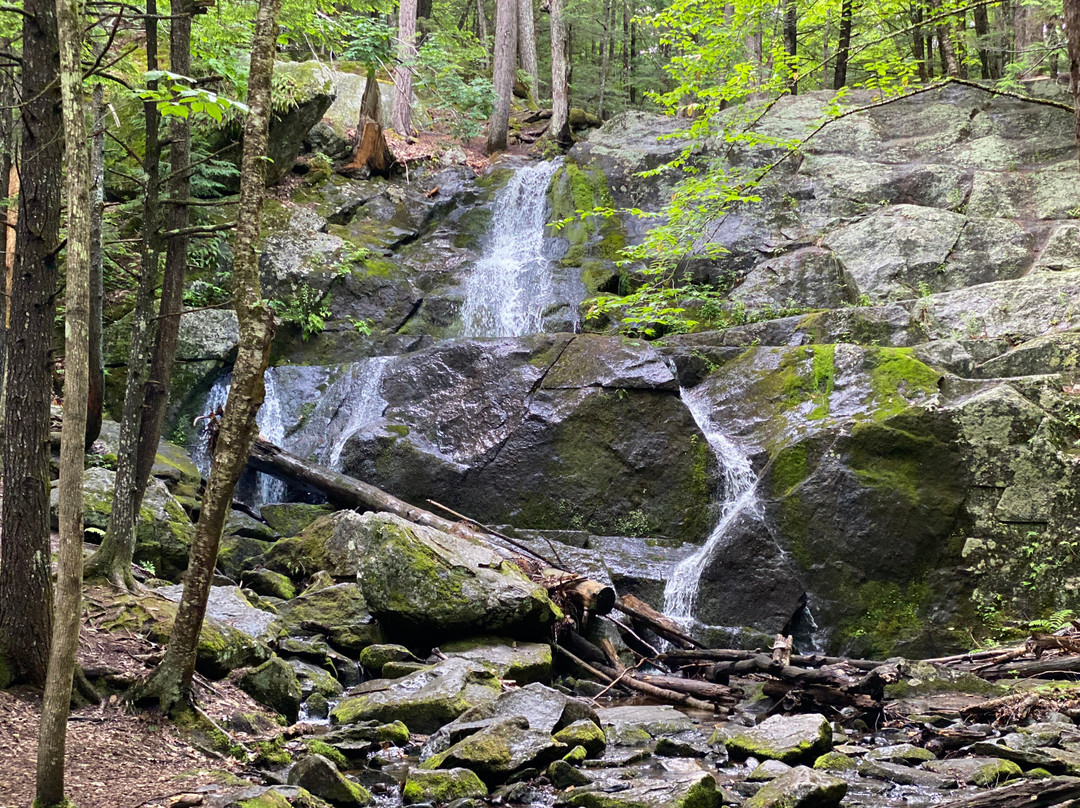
1054	623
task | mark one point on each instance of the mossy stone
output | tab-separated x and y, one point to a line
269	583
274	684
586	734
395	670
997	773
292	518
789	739
395	732
321	777
835	762
339	612
441	787
374	657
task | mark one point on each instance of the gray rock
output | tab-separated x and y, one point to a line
905	753
274	684
789	739
518	661
228	605
500	750
637	725
338	612
696	789
208	334
979	771
905	775
808	278
800	788
768	770
315	679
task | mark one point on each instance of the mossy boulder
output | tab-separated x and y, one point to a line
696	790
424	701
442	787
433	584
220	650
274	684
978	771
520	662
333	543
637	725
239	553
269	583
291	518
315	679
163	532
583	733
801	787
498	751
789	739
835	762
322	778
338	612
374	657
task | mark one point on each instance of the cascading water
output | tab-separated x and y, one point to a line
740	498
365	404
511	285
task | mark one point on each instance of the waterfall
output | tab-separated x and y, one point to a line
365	404
215	399
511	285
739	493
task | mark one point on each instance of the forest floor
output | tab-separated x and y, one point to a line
118	756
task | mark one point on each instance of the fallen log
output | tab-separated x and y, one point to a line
1034	794
347	492
730	654
1021	669
660	624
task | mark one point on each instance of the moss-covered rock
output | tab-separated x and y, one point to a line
322	778
338	612
789	739
442	787
425	700
696	790
332	543
520	662
835	762
374	657
292	518
800	788
583	733
274	684
269	583
498	751
238	553
315	679
418	579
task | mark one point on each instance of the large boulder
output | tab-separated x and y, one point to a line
333	543
520	662
801	787
789	739
692	789
425	700
340	613
442	787
274	684
425	582
322	778
500	750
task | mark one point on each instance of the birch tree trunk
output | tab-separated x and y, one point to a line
170	683
559	129
67	609
25	580
526	44
402	114
505	47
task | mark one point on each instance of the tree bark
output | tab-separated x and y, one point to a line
605	55
56	704
112	560
25	581
559	128
505	47
370	151
982	31
96	393
1072	33
950	63
843	47
171	681
482	30
791	39
402	114
7	213
918	43
526	44
156	393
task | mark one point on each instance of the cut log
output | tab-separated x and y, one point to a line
1034	794
660	624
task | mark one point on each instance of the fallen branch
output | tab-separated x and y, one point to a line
659	623
1033	794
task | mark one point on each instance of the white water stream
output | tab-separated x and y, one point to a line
739	493
511	285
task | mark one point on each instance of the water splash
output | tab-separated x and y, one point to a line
739	492
511	285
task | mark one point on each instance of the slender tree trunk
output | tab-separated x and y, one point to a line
559	128
1003	25
625	45
156	395
843	47
791	39
633	61
1023	27
402	114
505	42
25	580
113	559
949	62
605	56
482	30
1072	32
7	214
96	395
526	44
56	705
171	681
919	43
982	31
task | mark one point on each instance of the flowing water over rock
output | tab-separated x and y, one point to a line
511	285
739	497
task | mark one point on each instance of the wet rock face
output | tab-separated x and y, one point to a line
548	431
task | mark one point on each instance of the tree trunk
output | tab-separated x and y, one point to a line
605	56
171	681
112	560
56	705
1072	33
156	395
526	44
843	47
919	43
402	115
791	40
505	47
949	62
559	129
370	151
982	31
7	213
1023	27
25	581
96	394
482	30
